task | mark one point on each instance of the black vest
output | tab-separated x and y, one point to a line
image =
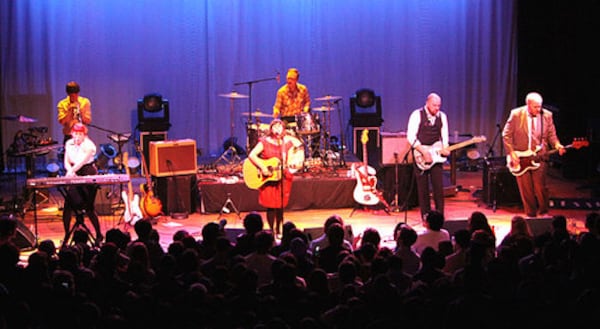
428	134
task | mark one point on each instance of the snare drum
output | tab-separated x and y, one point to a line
307	123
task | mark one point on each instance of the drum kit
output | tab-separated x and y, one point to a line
312	128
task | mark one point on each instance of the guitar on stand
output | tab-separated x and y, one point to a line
365	192
132	213
150	205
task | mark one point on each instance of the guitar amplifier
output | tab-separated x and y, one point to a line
499	184
172	158
395	147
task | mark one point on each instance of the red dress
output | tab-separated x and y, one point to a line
269	195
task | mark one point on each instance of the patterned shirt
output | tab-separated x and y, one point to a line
291	102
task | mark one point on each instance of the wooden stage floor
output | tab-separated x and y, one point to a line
458	207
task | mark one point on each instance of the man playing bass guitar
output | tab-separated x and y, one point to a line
530	127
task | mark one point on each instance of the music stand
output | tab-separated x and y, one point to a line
230	155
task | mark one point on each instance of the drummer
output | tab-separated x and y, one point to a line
292	98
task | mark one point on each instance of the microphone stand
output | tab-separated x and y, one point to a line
342	148
490	152
250	83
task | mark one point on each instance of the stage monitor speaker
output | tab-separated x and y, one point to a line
315	232
500	185
24	238
407	185
395	148
232	233
454	225
175	193
171	158
373	146
146	137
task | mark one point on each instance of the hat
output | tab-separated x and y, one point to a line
79	127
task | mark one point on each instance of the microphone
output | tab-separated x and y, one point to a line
278	77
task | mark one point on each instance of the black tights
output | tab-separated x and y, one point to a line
275	219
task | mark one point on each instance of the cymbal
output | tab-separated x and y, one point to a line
19	118
323	109
258	114
329	98
234	94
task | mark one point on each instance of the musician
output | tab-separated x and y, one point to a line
72	109
426	126
275	195
292	98
530	127
79	161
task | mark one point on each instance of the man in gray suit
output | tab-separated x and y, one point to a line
528	133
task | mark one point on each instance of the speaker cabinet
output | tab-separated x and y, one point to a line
454	225
173	158
499	185
407	185
373	146
176	193
106	196
24	238
395	148
315	232
146	137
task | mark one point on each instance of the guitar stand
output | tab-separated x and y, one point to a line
230	203
370	209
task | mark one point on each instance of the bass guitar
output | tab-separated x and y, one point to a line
530	160
365	191
435	152
132	213
150	205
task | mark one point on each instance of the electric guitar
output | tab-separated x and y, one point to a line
151	205
435	151
365	191
530	160
132	213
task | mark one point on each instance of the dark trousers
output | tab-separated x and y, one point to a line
432	177
80	199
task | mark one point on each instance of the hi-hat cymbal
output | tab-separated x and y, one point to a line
323	108
234	94
19	118
257	114
329	98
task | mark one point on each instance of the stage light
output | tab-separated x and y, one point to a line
365	109
153	113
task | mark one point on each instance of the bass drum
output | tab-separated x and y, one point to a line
254	132
295	156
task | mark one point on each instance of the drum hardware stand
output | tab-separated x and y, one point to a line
230	155
229	203
395	207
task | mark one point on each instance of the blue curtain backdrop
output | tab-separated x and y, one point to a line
192	51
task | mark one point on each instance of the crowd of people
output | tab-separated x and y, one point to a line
430	279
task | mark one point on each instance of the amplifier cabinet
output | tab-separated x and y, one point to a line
395	147
500	186
172	158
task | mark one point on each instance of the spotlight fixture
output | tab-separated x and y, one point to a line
153	113
365	109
